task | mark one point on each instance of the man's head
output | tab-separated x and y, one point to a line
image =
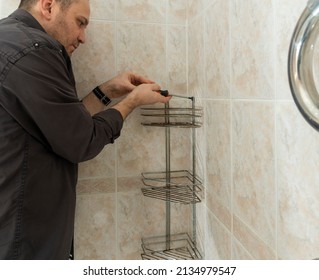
64	20
28	4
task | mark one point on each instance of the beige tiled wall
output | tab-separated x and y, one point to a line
262	157
258	156
7	7
148	37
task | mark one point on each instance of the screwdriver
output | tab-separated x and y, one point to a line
166	93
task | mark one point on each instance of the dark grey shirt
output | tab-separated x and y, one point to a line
44	132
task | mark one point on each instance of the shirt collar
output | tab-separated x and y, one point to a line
25	17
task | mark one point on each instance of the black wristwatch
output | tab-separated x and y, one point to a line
100	95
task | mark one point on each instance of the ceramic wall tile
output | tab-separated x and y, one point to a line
176	60
251	242
225	50
142	148
200	147
96	186
103	9
95	227
201	229
253	167
286	21
218	133
217	207
141	48
141	10
217	50
196	7
7	7
298	195
142	217
136	146
239	252
103	165
218	239
252	46
196	58
129	184
177	12
94	62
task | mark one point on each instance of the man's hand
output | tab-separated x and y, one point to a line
123	84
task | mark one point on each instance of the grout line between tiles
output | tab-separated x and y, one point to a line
231	130
275	39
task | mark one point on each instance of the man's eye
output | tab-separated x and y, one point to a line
81	23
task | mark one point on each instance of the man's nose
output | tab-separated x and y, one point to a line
82	37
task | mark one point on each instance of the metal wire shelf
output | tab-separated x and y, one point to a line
172	117
179	186
176	247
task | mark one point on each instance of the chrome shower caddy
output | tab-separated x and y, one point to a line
173	186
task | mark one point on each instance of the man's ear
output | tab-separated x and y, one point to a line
46	8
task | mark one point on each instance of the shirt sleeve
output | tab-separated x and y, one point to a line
40	95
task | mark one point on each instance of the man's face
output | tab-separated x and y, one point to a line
68	26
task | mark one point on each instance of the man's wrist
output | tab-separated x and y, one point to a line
101	96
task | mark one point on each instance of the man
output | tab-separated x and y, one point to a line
45	130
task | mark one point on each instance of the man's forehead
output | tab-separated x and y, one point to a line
82	9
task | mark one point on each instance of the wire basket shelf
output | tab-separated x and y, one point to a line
172	117
179	186
175	247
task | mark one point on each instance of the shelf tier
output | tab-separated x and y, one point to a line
179	186
172	117
176	247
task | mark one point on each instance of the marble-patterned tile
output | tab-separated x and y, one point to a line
287	13
201	230
142	217
129	184
142	48
239	252
218	239
218	151
221	212
141	10
96	186
253	147
103	165
196	58
95	227
252	49
196	7
200	149
176	60
7	7
177	12
141	149
103	9
217	50
251	241
181	149
94	62
298	192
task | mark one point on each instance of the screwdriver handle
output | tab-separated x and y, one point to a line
164	92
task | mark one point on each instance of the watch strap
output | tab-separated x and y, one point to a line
100	95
